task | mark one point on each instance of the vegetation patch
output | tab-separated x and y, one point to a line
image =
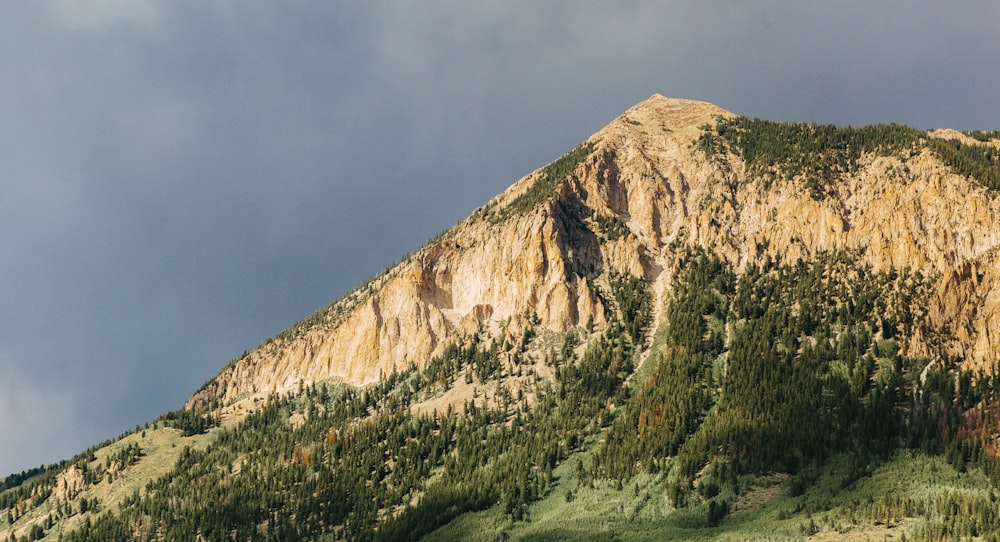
817	154
820	154
979	162
612	227
980	135
546	185
670	404
189	422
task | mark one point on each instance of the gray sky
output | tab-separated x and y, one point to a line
183	179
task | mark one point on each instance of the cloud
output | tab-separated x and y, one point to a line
39	422
96	16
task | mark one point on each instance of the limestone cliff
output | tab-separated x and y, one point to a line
641	186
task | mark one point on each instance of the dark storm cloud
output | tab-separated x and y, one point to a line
184	179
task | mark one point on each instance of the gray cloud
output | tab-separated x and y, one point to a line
184	179
100	15
28	404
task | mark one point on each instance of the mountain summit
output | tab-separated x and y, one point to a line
694	324
520	254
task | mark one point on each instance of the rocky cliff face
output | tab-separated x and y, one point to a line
643	186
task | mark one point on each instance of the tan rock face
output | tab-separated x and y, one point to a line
69	483
644	169
482	273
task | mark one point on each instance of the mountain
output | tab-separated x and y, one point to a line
692	325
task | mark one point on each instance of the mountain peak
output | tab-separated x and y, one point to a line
657	98
659	115
665	103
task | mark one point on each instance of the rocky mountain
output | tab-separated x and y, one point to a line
508	261
694	324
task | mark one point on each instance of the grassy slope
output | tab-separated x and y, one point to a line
826	510
160	449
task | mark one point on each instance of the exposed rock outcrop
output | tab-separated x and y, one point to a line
69	483
645	171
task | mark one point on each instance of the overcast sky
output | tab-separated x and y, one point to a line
183	179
